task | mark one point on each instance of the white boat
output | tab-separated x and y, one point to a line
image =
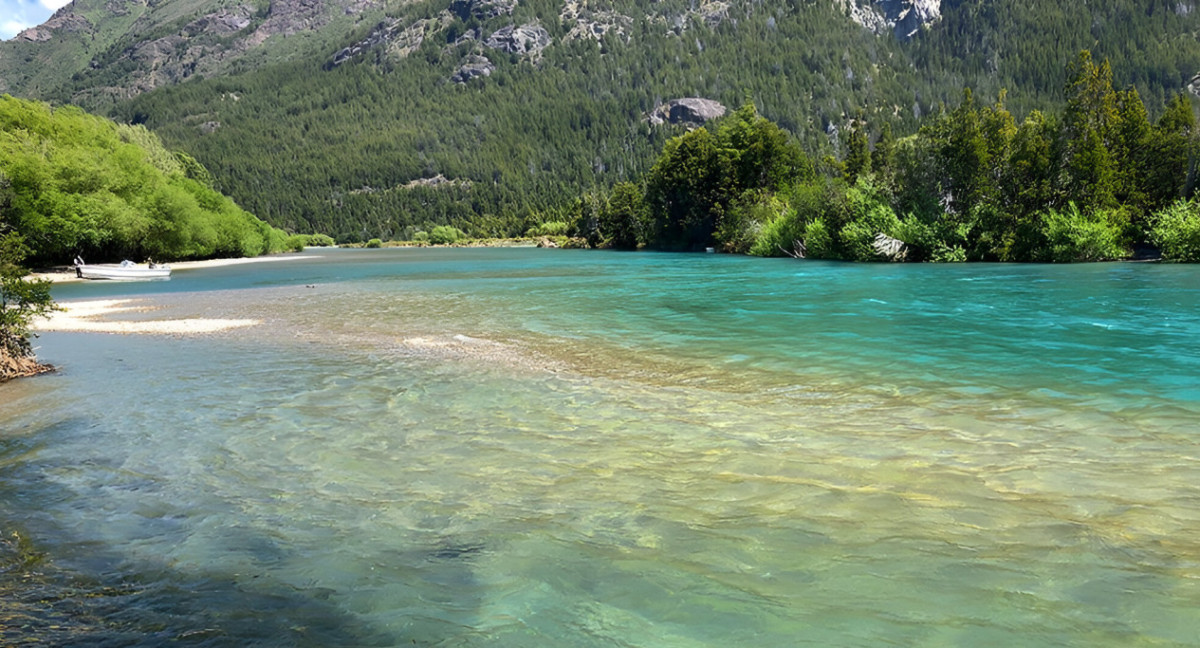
124	271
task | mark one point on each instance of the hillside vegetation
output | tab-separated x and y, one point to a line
1089	183
376	119
77	184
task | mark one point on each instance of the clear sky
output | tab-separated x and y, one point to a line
16	15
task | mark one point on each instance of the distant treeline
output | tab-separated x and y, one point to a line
1093	182
73	184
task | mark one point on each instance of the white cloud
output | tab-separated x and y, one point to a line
10	28
54	5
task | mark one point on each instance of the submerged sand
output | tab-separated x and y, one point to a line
97	316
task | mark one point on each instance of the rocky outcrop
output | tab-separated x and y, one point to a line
903	18
527	40
400	41
193	49
713	13
892	249
473	67
593	24
482	9
691	110
63	20
384	32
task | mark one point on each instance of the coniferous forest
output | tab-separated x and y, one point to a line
382	145
1095	181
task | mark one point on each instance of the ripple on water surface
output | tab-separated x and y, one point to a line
499	449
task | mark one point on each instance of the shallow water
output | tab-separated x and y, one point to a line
550	448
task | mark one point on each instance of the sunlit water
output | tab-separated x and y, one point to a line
555	448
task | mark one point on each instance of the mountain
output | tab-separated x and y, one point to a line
367	118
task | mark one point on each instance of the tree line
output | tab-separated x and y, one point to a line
1097	180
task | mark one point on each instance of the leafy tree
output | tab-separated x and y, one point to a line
1089	121
82	185
21	300
624	218
858	156
688	188
1170	164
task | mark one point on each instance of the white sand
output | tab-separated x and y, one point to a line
93	317
67	273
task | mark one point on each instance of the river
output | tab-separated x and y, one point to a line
522	447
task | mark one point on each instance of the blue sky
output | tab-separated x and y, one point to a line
16	15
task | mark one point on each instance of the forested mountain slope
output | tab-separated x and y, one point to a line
363	118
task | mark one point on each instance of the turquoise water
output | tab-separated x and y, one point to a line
517	447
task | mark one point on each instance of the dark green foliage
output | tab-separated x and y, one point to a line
972	184
624	218
83	186
690	189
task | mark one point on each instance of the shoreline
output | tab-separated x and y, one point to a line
66	274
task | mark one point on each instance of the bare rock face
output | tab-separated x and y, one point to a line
473	67
399	40
714	12
904	18
526	40
63	20
482	9
382	33
892	249
690	110
593	24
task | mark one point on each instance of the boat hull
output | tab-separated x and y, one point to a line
119	273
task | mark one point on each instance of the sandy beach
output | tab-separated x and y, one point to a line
67	273
114	315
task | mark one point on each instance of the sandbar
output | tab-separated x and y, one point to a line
96	317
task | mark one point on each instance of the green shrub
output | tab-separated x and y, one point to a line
374	243
552	228
948	254
869	215
819	241
321	240
296	242
779	235
421	237
1075	236
1176	231
445	235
